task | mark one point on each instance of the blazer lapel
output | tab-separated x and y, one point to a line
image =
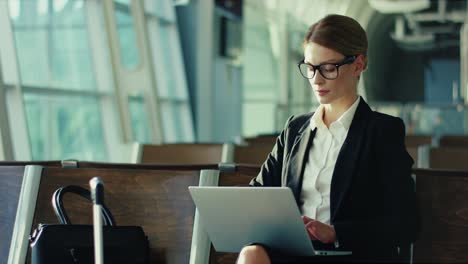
296	165
344	167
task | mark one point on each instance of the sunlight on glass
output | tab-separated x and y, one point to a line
125	2
78	5
139	119
42	7
64	60
129	55
59	5
64	127
14	7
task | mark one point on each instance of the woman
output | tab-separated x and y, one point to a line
346	165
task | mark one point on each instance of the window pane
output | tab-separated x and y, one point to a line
161	9
259	118
171	123
64	127
260	56
436	120
52	43
139	119
177	122
169	89
125	2
187	125
129	56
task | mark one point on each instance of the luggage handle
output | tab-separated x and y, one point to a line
57	204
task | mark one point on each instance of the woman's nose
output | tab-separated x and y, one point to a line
318	78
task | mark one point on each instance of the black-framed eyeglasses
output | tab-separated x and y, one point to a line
328	71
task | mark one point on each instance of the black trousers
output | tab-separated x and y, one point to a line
281	259
367	256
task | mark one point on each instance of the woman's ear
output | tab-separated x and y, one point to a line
359	65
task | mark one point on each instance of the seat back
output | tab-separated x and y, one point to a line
443	203
269	140
48	163
179	154
413	151
254	154
157	200
417	140
11	178
454	141
448	158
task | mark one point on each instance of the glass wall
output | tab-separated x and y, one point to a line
80	83
64	127
273	89
428	119
261	89
129	55
57	74
169	70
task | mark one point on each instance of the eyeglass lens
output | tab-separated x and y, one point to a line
328	71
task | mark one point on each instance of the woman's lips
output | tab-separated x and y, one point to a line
323	92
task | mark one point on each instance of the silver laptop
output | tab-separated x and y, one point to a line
236	216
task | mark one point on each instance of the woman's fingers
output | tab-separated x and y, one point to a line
320	231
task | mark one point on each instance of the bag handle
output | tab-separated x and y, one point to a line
57	204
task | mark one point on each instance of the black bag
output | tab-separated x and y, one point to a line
67	243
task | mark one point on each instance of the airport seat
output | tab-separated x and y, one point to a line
157	200
178	154
417	140
454	141
448	158
149	166
254	154
443	203
48	163
268	139
11	178
413	152
108	165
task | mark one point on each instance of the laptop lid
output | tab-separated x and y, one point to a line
234	217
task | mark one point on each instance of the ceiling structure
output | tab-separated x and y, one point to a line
418	24
409	33
425	24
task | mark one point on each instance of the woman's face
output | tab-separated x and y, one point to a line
340	90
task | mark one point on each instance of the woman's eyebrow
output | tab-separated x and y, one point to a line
326	61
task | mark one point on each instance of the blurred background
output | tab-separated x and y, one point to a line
83	79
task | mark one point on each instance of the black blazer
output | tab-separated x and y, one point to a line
372	197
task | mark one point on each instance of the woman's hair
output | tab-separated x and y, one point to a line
340	33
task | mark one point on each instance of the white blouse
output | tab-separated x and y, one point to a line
318	172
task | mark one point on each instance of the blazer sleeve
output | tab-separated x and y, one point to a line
271	170
399	223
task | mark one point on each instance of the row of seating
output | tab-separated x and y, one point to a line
180	154
152	196
425	156
156	198
439	157
452	141
457	141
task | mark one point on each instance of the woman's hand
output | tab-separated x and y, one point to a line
319	231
